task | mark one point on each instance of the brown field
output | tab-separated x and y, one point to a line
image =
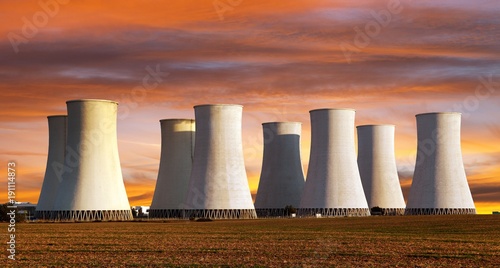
411	241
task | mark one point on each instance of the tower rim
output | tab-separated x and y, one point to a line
436	113
92	100
218	105
176	119
376	125
57	115
332	109
281	122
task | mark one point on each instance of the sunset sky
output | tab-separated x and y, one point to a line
389	60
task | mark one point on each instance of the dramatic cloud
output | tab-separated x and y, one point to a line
387	59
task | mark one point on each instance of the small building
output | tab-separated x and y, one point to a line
26	208
142	211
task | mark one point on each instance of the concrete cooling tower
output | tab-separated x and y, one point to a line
54	168
333	186
177	149
377	167
218	187
282	179
92	187
439	183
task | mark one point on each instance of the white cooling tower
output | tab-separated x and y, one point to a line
54	168
177	148
282	179
333	186
439	183
377	167
218	187
92	187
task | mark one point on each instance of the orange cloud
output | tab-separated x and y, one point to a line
279	59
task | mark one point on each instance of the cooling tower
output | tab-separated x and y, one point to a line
54	169
92	187
177	148
218	186
439	183
333	186
377	167
282	179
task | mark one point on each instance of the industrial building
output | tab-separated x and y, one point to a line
439	183
333	186
378	171
54	167
141	212
218	186
92	187
177	150
282	178
203	175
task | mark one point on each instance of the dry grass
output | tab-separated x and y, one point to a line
416	241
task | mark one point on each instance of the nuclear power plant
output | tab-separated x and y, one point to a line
177	150
282	179
333	186
439	183
218	186
203	175
377	167
54	167
92	187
